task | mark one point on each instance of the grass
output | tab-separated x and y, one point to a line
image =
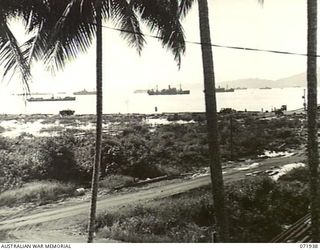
182	218
113	181
40	192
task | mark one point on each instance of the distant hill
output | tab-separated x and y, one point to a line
298	80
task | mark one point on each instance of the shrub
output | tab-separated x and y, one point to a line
257	209
296	174
113	181
2	129
57	160
11	170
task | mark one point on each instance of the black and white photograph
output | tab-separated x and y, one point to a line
159	121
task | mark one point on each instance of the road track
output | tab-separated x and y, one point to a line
121	200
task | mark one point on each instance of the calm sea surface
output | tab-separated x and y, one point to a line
120	102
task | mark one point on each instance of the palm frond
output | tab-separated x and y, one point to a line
54	58
74	31
32	11
162	17
124	16
62	20
68	31
185	6
33	50
12	57
63	29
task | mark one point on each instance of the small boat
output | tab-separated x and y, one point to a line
51	99
66	112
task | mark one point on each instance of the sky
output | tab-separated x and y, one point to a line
278	25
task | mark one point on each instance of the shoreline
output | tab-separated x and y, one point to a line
14	125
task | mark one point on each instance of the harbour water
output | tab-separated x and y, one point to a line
129	102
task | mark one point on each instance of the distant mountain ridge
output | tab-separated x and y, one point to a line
298	80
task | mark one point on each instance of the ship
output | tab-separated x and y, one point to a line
168	91
85	92
265	88
51	99
220	90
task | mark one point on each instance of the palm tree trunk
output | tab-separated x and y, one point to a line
97	160
212	124
313	160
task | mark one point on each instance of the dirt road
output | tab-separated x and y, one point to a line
76	213
231	173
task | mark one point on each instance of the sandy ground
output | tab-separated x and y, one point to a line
60	223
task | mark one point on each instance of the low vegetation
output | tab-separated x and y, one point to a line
114	181
258	209
36	192
134	149
40	170
138	149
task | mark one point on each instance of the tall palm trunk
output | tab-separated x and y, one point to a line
97	160
313	160
212	124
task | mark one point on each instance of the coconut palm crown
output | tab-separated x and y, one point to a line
63	29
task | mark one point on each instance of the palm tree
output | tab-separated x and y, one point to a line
65	28
212	120
99	112
313	160
212	124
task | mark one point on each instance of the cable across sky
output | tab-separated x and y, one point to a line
218	45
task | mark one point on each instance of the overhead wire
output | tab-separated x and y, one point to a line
214	45
217	45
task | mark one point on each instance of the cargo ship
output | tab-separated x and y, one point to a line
219	90
85	92
51	99
168	91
